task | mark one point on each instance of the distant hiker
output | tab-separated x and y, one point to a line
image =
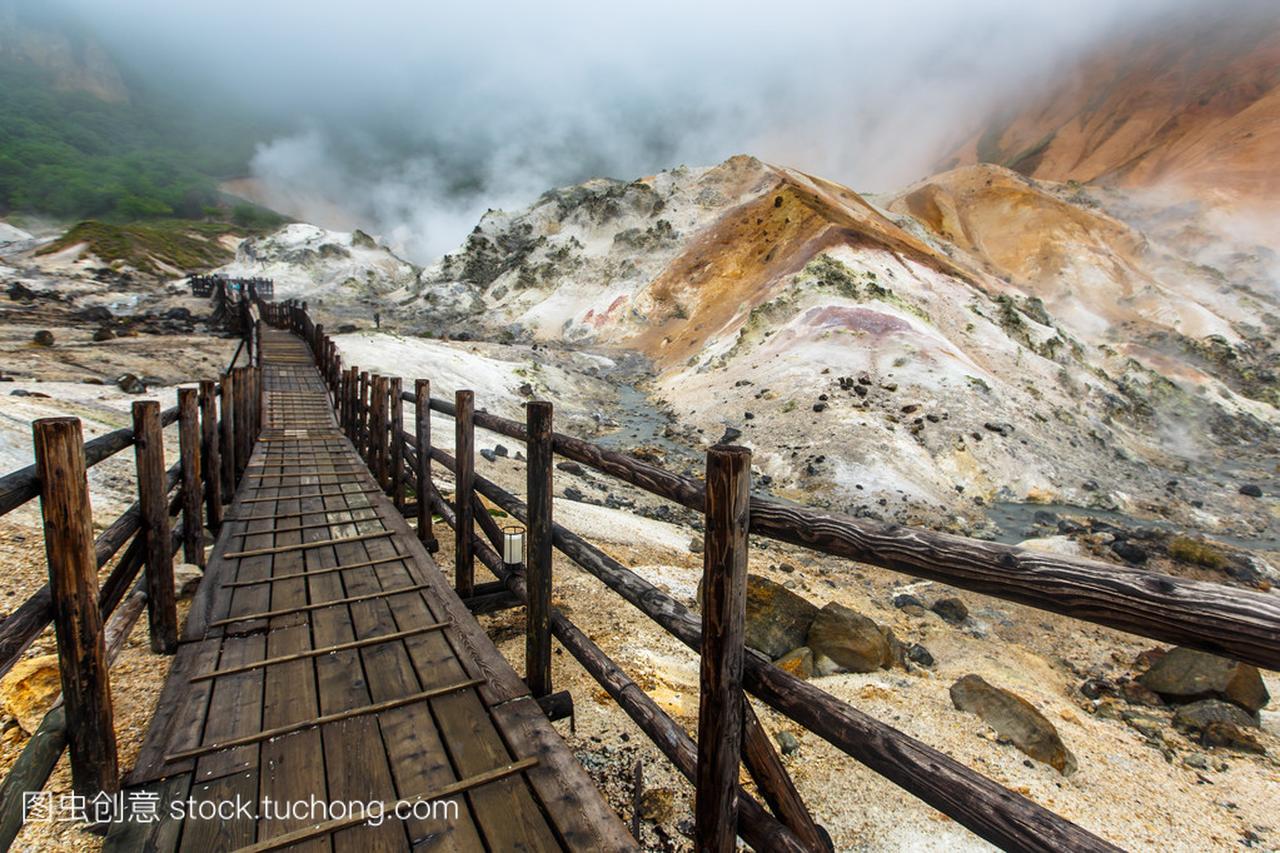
377	320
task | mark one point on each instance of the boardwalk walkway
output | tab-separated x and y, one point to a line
327	657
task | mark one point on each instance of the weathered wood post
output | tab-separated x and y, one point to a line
464	449
422	422
394	393
77	621
362	428
724	604
148	445
192	488
537	644
228	424
210	459
353	383
378	430
242	386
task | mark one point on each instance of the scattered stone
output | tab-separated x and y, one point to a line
43	338
903	600
19	292
186	577
1187	675
500	450
570	467
952	610
819	407
130	384
798	662
1014	718
731	434
1196	761
853	641
917	653
1128	551
103	334
1135	694
1095	688
28	691
574	494
1251	490
696	545
490	455
787	742
999	427
526	389
346	328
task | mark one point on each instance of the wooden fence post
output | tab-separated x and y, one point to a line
353	381
724	603
148	445
210	459
422	422
228	452
77	620
537	645
394	391
362	442
378	430
244	391
192	488
464	450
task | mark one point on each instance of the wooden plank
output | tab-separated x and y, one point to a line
202	836
396	558
303	546
320	605
180	713
160	836
584	821
73	579
310	495
469	784
235	710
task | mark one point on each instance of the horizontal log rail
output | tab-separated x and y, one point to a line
20	486
1212	617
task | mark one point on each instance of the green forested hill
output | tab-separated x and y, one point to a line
71	155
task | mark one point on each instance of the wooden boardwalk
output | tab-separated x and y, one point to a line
326	657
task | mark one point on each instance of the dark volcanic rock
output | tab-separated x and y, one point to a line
1016	719
130	384
1252	490
43	338
952	610
1128	551
569	467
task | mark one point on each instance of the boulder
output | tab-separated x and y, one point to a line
787	742
1251	490
952	610
1218	723
28	691
1186	675
43	338
852	641
917	653
103	334
777	619
1015	719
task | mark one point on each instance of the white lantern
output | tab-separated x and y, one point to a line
513	546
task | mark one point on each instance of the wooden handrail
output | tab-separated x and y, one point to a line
1212	617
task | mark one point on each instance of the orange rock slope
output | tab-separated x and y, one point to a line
1197	107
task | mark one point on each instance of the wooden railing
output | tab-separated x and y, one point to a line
92	622
1223	620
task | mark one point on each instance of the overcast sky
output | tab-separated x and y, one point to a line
414	117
